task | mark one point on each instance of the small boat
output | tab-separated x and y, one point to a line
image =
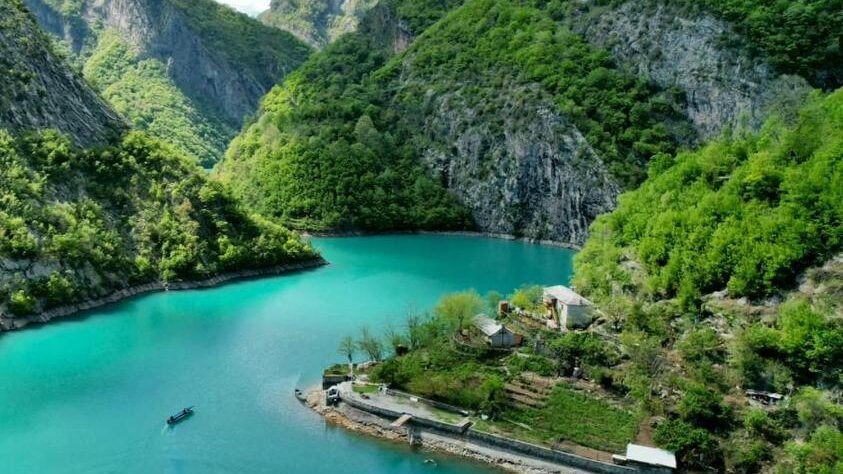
180	416
298	393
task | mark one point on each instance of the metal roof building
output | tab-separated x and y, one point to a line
497	335
650	456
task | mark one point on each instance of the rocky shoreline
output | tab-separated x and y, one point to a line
12	324
466	233
362	422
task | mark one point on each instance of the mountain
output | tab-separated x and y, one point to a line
125	214
316	22
36	91
724	272
533	116
187	72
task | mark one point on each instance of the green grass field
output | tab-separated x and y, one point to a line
575	417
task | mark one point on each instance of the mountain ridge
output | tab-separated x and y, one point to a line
211	64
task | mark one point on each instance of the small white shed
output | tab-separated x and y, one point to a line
650	457
496	334
571	310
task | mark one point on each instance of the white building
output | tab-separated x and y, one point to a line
653	459
496	334
567	308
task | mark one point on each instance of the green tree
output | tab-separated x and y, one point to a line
347	348
370	344
457	308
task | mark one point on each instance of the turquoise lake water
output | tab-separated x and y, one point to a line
90	394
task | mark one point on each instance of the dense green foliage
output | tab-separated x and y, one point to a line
338	143
316	22
484	43
803	37
141	90
242	39
98	220
141	87
745	213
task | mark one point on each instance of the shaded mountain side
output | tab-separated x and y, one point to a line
209	64
79	224
37	91
316	22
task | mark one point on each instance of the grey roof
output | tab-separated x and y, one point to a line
774	395
566	295
486	325
652	456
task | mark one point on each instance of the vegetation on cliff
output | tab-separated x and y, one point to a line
316	22
36	90
747	214
802	37
78	224
138	82
141	91
338	144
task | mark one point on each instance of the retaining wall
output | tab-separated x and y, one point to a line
433	403
506	444
540	452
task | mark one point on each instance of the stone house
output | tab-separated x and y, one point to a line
566	309
496	334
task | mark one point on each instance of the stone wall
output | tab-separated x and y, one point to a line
568	459
503	443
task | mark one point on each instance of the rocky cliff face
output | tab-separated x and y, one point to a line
699	54
316	22
219	58
38	91
504	135
534	175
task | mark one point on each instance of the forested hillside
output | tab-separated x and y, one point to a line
186	72
77	224
37	92
479	101
316	22
722	273
802	37
531	115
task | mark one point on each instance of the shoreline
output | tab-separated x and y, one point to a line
74	309
464	233
368	424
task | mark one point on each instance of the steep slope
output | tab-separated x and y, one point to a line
77	225
675	45
188	72
36	91
534	115
316	22
699	268
478	99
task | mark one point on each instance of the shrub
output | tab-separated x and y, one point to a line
21	304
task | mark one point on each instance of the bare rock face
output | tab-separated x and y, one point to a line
533	175
697	53
39	91
160	29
